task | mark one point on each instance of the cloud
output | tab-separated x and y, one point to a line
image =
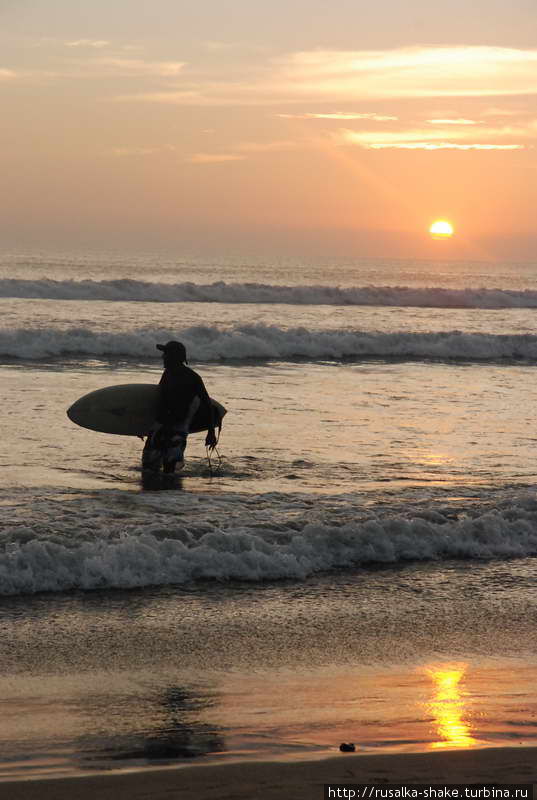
452	122
28	77
238	153
96	43
442	146
213	158
266	147
431	140
340	115
130	151
187	97
216	46
134	151
414	72
365	76
242	150
98	66
134	67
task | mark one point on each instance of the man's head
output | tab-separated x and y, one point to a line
173	352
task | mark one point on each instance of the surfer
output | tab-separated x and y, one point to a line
182	393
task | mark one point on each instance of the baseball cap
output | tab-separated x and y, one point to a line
174	349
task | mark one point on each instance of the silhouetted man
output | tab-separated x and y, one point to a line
182	393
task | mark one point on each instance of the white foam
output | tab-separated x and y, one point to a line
220	292
160	552
263	342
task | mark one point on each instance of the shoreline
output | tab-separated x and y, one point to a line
300	780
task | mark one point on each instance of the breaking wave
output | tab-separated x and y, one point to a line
127	290
151	555
266	342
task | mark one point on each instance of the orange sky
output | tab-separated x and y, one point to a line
346	129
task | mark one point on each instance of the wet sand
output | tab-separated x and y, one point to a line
287	780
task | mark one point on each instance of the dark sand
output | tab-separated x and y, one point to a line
286	780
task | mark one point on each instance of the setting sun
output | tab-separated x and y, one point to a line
441	229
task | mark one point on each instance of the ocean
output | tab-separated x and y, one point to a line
357	566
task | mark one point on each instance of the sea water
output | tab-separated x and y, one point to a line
357	565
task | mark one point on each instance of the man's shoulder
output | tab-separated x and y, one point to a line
186	374
187	371
179	369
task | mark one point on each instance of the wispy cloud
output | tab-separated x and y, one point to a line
442	146
431	140
330	76
123	152
74	62
186	97
95	43
452	121
25	77
216	46
213	158
414	72
52	44
142	151
135	67
266	147
340	115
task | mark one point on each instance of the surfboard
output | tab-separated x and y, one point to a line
129	410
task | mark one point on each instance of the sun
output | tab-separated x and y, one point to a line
441	229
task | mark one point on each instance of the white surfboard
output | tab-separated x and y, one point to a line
129	410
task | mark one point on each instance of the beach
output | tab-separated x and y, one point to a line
292	781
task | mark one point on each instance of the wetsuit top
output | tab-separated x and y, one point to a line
178	387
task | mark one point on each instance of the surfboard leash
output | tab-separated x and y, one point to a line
213	471
211	450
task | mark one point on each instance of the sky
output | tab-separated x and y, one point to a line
342	128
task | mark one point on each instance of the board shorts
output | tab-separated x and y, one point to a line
165	446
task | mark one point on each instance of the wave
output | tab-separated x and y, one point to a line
266	342
220	292
156	556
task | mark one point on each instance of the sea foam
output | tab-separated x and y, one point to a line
127	290
158	554
266	342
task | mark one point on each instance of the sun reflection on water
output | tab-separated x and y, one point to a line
449	708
